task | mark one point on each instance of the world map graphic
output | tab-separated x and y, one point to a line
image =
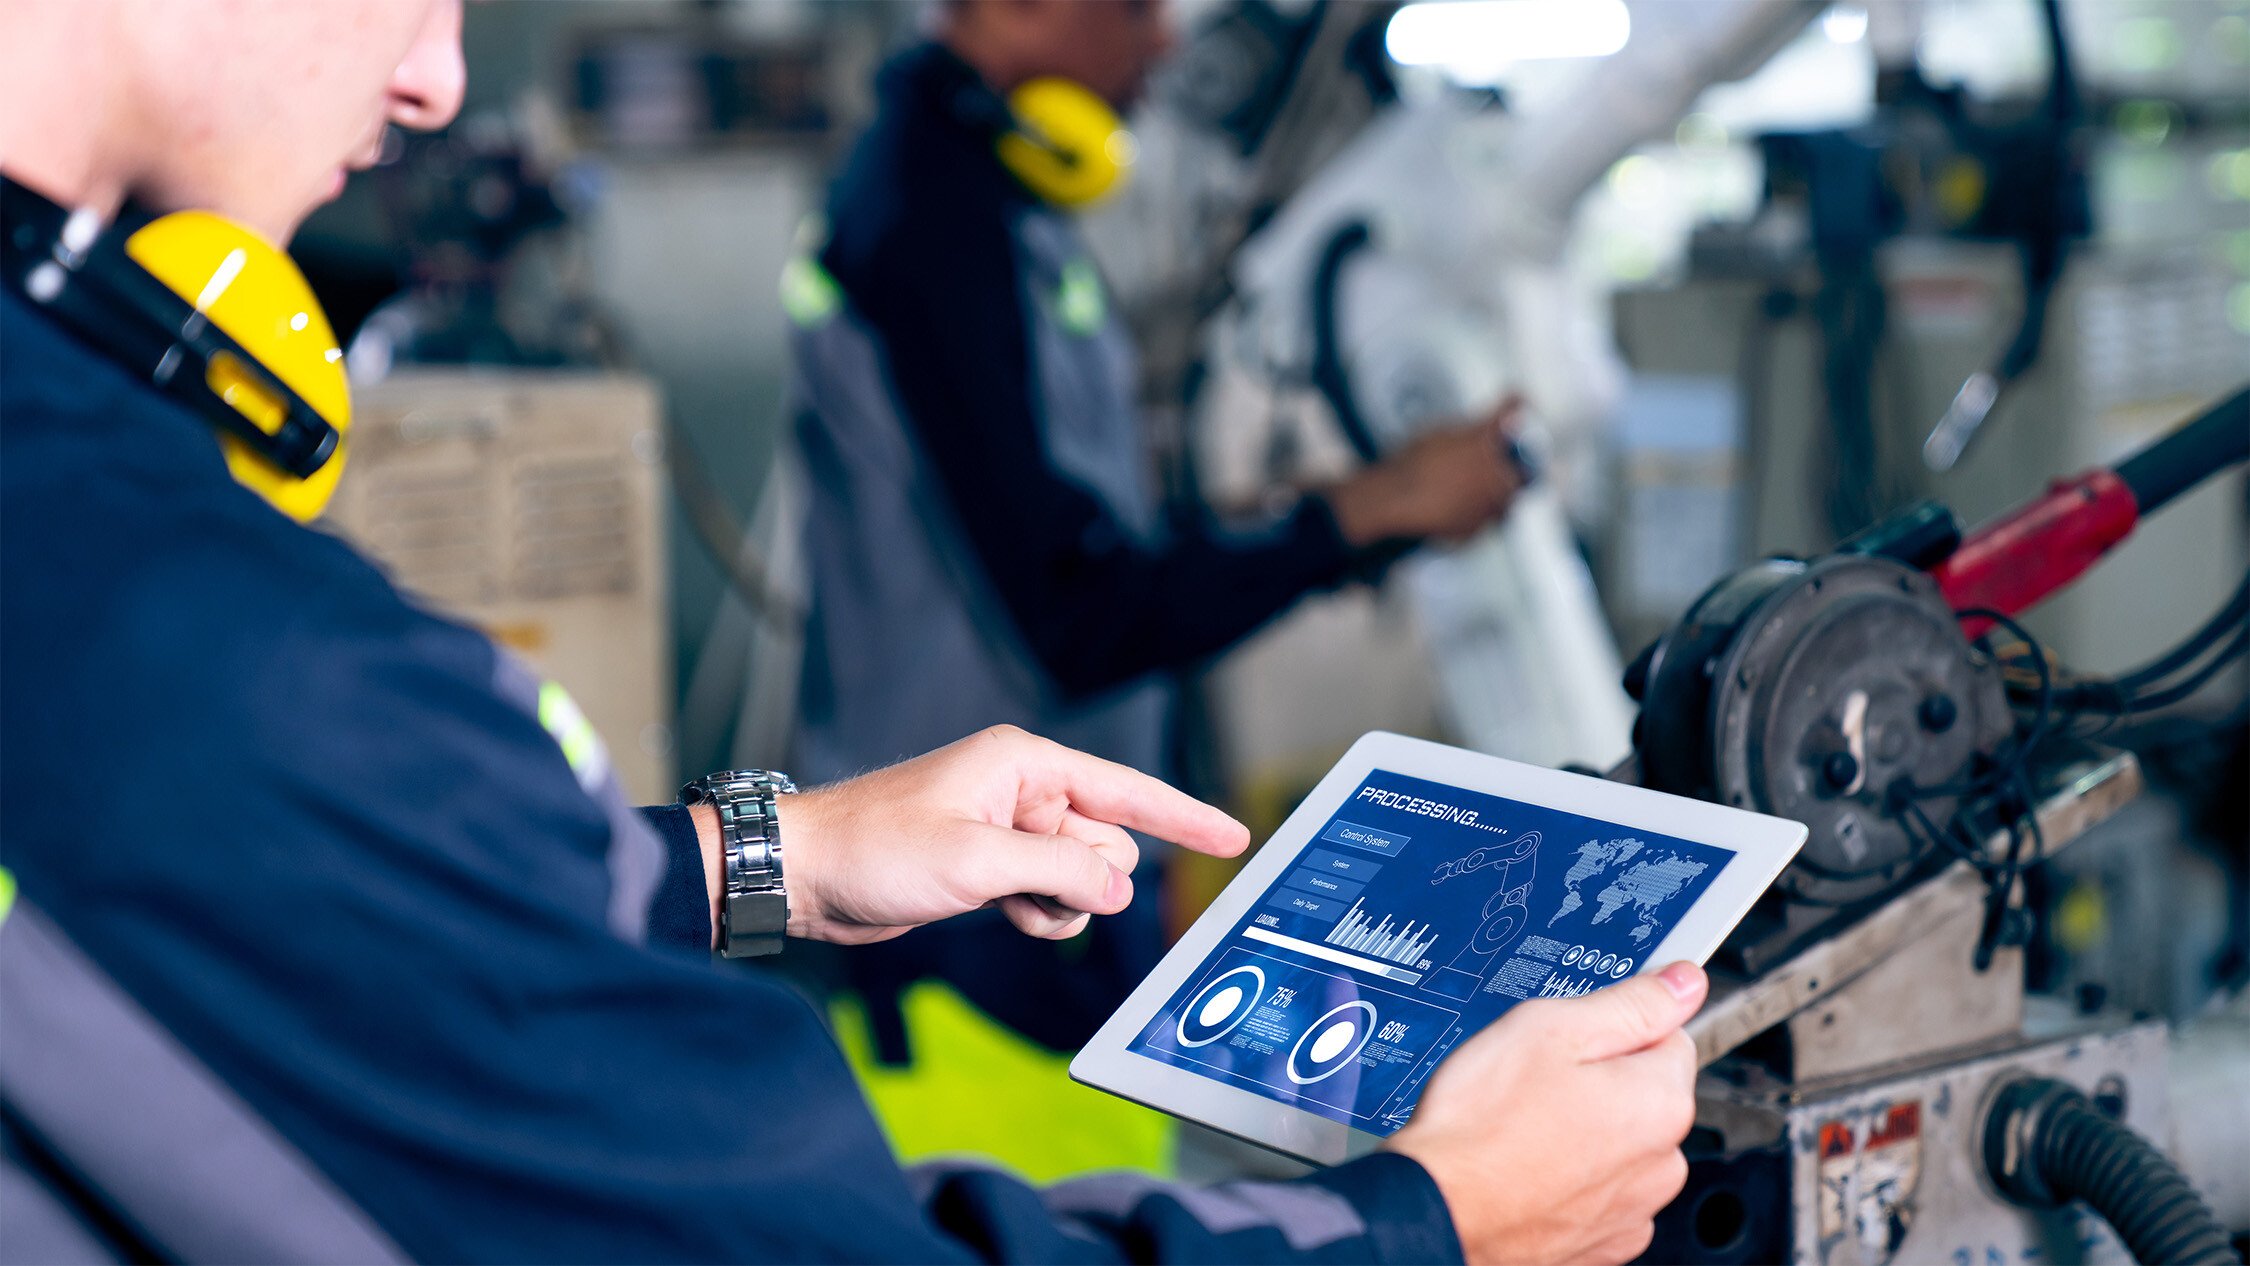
1644	878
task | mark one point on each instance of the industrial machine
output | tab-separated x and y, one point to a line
1875	1089
1879	1086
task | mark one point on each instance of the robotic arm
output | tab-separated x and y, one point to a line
1422	273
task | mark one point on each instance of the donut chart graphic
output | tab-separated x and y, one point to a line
1331	1043
1222	1004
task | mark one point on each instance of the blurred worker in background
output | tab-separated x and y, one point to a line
324	935
985	542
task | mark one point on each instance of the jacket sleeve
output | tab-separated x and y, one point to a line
680	914
1380	1208
1098	608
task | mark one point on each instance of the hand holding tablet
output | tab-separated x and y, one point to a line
1613	1073
1417	895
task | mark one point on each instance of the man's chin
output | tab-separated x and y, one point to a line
330	189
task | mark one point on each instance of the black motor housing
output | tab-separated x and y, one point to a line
1813	691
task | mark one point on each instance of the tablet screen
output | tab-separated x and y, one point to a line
1417	915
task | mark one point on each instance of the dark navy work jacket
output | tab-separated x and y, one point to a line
983	537
323	950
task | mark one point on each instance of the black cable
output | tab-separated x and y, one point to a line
1996	901
2116	696
2233	613
2003	791
2119	699
1329	374
2010	776
1946	839
2188	685
2013	764
2037	732
2034	903
2002	796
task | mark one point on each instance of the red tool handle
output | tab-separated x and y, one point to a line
2009	564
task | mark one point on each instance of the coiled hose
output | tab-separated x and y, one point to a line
2047	1145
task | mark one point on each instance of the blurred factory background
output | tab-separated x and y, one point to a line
1741	258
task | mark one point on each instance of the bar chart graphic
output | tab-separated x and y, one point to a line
1355	931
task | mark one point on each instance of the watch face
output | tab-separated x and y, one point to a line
736	782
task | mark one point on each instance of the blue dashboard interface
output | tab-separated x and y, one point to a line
1417	915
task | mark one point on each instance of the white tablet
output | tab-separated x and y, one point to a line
1416	894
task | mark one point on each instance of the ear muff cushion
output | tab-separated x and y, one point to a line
255	295
1067	145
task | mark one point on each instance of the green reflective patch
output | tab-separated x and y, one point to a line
1079	302
581	746
7	893
808	294
977	1089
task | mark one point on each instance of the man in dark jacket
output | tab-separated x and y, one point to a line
330	938
984	539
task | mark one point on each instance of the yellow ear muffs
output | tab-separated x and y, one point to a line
1066	145
253	294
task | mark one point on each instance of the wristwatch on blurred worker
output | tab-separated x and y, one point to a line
754	913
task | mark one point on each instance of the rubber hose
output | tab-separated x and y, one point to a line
2048	1145
1329	374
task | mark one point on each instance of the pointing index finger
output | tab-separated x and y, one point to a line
1109	792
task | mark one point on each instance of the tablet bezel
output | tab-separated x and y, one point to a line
1763	847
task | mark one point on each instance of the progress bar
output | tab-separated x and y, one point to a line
1399	974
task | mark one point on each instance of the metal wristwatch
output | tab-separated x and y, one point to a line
754	913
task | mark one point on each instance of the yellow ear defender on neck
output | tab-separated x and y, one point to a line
205	311
1066	145
254	294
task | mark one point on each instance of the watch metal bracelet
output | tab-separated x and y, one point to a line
754	901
